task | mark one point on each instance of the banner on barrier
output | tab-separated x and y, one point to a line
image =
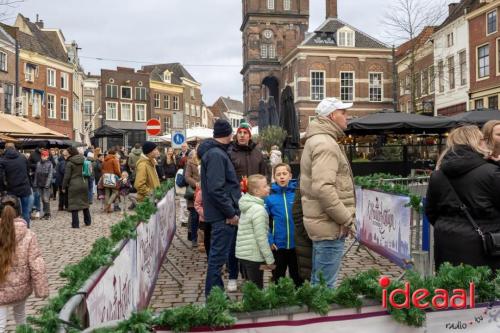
383	224
128	284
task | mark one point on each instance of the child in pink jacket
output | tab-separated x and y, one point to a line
22	268
203	234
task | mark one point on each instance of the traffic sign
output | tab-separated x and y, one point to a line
153	127
178	138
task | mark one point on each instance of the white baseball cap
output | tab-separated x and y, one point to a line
328	105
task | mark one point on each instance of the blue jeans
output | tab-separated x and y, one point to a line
326	258
194	222
220	245
232	262
91	189
36	201
26	203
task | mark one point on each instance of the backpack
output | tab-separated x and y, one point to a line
87	169
180	179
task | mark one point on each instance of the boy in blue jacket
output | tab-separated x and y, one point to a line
281	232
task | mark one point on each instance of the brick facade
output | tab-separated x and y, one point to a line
7	74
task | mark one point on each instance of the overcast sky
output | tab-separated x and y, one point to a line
203	35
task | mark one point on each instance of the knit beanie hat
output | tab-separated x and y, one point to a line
222	128
148	147
244	126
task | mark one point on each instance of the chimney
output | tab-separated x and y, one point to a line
39	23
331	9
451	7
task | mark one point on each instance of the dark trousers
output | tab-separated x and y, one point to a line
284	259
193	223
222	234
54	191
75	222
63	199
232	262
251	272
207	231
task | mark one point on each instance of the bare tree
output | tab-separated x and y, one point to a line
7	7
404	21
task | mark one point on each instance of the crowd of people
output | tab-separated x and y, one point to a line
245	210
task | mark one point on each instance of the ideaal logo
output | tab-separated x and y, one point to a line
440	300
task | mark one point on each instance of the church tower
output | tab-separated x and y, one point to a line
271	29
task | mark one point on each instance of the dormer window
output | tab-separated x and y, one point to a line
270	4
167	76
345	37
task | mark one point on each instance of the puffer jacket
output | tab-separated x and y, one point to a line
303	244
192	176
14	173
43	174
326	182
251	241
28	271
146	179
133	158
247	160
111	165
279	206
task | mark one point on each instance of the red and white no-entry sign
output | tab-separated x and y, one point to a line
153	127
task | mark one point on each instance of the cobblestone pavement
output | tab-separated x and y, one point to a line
193	264
62	245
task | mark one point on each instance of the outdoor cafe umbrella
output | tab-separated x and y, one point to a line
288	119
263	115
478	118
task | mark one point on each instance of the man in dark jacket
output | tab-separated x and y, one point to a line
43	182
61	167
221	193
35	157
247	158
14	178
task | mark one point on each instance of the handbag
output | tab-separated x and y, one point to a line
490	240
189	195
109	180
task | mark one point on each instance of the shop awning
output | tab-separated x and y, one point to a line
478	118
107	132
22	128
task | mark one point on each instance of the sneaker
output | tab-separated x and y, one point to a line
232	286
37	214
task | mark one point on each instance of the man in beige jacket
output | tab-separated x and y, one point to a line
327	189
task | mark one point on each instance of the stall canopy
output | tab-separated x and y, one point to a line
106	131
397	122
192	134
478	118
18	127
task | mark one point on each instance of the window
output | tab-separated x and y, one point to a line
401	87
478	103
3	61
111	91
493	102
176	102
375	87
441	75
37	105
8	96
64	81
187	123
187	108
286	4
449	39
51	77
111	111
51	106
166	102
198	112
29	72
167	76
491	20
407	84
157	101
126	112
418	85
64	108
193	110
140	112
270	4
167	124
483	61
140	93
191	91
317	86
271	51
451	72
463	68
263	51
26	99
425	82
347	86
126	92
88	107
346	38
431	79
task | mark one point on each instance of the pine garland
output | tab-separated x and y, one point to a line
101	254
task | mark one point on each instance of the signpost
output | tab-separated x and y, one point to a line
178	138
153	127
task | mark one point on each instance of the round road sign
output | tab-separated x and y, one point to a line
178	138
153	127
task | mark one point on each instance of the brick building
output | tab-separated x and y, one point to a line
484	57
7	72
126	104
336	60
175	94
93	116
229	109
417	77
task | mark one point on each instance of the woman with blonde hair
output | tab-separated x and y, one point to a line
491	132
464	176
